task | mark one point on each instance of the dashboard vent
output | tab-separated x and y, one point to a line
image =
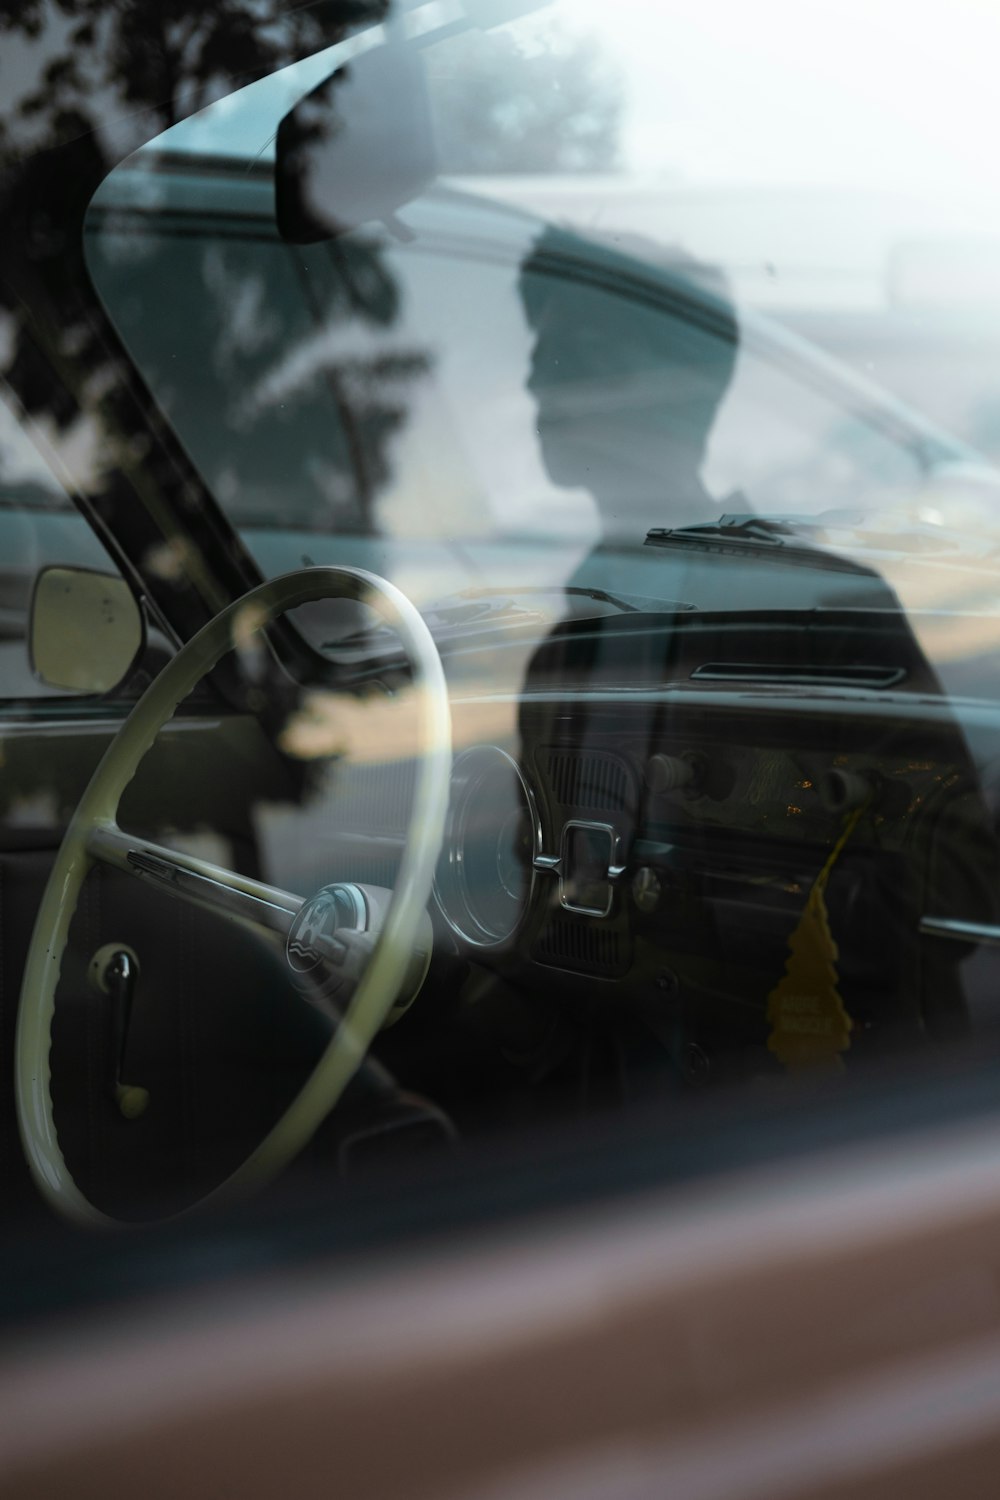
590	781
574	943
861	674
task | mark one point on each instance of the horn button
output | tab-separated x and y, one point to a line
332	938
319	939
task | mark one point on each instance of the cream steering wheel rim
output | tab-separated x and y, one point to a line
98	807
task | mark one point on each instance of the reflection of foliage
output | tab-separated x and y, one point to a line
363	281
106	78
272	362
171	57
366	390
98	79
370	393
254	353
501	107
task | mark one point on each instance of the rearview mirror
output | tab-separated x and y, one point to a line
357	148
85	631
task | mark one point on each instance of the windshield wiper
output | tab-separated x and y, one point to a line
806	536
745	528
577	589
779	539
486	606
633	604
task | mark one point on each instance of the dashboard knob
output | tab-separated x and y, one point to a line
646	889
843	791
670	773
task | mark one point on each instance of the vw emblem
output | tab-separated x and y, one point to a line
316	920
312	938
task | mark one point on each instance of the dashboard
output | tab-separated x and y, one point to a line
638	824
644	812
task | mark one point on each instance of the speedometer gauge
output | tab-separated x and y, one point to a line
486	872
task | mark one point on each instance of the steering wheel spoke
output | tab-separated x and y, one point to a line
189	878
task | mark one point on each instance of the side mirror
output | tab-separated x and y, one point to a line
85	630
357	148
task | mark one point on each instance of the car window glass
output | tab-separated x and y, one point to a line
789	448
389	404
348	402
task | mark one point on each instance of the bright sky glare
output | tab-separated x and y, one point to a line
859	93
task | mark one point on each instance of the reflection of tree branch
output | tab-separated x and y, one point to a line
167	56
371	291
356	386
352	436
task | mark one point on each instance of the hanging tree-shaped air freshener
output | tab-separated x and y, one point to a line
809	1022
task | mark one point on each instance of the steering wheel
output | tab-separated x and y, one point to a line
93	836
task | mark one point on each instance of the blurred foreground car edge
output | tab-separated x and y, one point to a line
796	1334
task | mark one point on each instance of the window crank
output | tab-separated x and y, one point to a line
115	970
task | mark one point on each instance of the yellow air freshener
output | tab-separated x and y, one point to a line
809	1024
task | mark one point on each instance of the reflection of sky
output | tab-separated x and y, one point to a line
858	93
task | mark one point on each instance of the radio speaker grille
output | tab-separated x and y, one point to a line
573	943
589	781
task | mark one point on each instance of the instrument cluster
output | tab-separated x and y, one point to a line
493	840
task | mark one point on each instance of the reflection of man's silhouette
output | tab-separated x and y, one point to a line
627	379
627	385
